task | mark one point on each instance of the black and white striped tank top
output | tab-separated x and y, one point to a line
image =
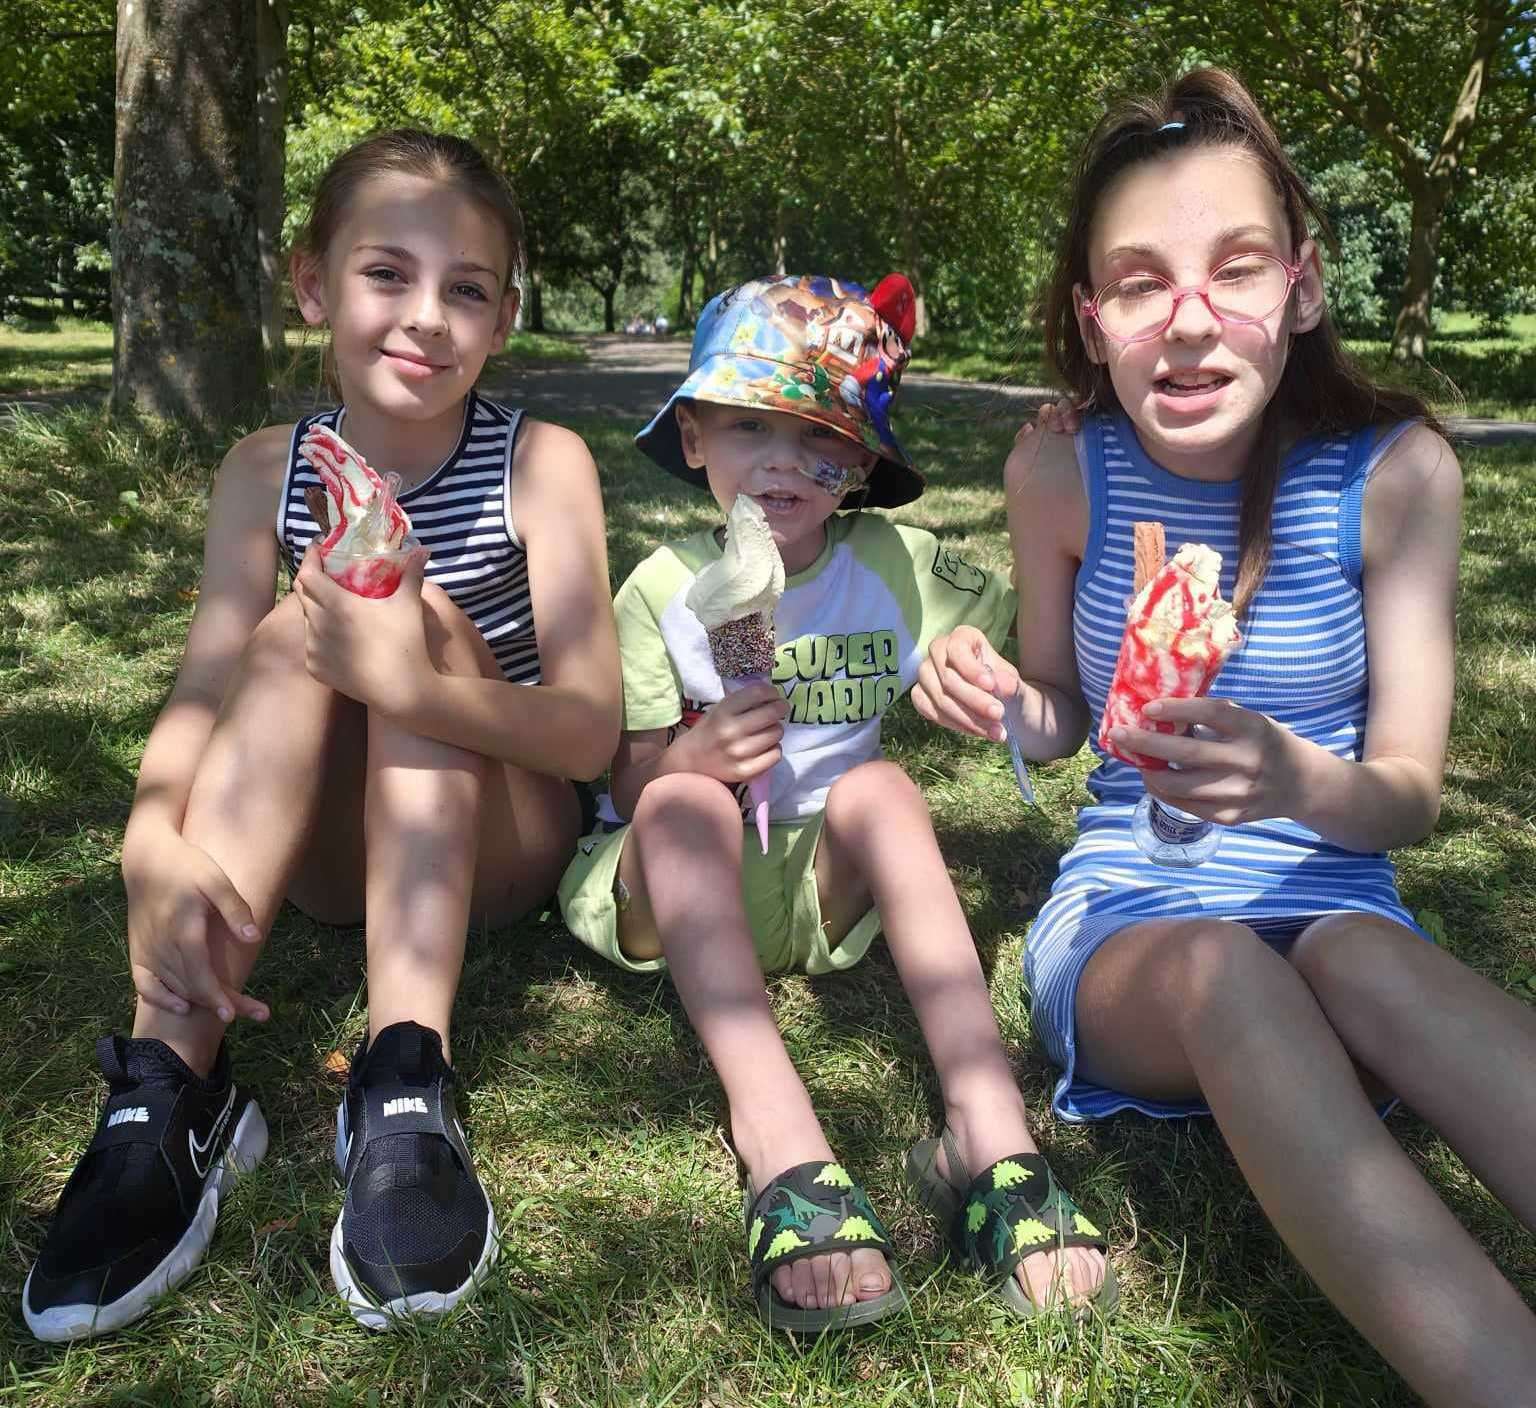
461	512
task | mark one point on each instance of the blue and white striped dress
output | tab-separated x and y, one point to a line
1302	662
462	513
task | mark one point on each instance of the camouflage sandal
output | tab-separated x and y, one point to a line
1006	1213
809	1210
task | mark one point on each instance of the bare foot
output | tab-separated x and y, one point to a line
822	1282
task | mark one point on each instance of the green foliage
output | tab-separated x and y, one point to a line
1365	277
55	155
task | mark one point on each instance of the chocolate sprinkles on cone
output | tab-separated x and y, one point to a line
743	647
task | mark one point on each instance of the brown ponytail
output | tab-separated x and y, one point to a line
1322	389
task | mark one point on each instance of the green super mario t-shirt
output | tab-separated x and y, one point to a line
852	630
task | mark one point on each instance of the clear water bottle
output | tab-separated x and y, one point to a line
1170	836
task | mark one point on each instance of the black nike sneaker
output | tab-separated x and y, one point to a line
416	1232
138	1212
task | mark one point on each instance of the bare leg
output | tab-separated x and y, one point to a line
1459	1051
257	793
682	864
449	834
251	805
1175	1009
877	828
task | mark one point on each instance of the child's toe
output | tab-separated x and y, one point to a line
871	1274
1073	1274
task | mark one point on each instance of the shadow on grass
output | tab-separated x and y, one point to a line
14	358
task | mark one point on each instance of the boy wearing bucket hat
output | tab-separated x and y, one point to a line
786	401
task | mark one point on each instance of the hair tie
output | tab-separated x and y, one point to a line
1171	127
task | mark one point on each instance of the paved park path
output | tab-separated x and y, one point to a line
629	378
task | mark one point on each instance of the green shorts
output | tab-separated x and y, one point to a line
779	888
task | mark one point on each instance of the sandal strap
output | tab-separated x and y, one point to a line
809	1210
1015	1208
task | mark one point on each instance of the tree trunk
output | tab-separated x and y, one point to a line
711	266
609	322
685	287
912	257
910	253
780	239
1410	334
271	111
186	291
535	300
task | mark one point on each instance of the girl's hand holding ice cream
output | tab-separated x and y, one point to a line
1245	767
373	650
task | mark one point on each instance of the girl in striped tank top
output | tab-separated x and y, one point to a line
1282	986
359	757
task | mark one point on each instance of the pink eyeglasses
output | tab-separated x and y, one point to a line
1244	289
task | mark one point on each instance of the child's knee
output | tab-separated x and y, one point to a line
454	646
684	797
1354	958
872	790
1218	967
277	643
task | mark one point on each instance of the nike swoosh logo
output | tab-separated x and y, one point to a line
200	1163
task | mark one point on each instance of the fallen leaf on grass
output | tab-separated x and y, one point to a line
337	1065
281	1224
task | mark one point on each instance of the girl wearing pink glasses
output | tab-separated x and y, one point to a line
1281	986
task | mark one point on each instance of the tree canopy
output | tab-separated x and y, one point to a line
664	148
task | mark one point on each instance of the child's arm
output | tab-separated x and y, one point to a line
165	876
737	739
1255	768
1411	541
376	650
958	685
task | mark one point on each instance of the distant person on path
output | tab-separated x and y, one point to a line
1282	986
663	325
780	406
384	757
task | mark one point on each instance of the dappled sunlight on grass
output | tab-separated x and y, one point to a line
589	1101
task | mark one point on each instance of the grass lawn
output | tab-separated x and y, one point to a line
594	1114
71	356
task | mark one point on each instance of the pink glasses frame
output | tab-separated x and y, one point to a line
1293	273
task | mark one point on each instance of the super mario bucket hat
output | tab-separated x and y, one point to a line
813	347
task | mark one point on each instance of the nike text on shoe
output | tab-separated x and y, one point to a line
138	1212
416	1232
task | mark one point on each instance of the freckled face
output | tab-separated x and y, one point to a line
1196	391
412	289
773	457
